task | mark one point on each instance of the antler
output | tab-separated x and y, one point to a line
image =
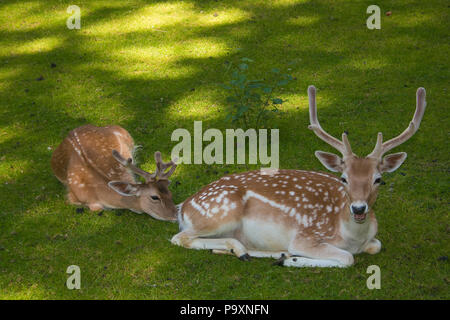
342	146
381	148
161	167
129	164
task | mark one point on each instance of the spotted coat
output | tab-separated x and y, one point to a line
305	201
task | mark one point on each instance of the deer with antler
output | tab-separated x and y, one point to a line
96	164
302	218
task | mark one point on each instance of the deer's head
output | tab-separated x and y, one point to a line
361	176
153	196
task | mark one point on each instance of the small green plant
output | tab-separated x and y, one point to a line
251	103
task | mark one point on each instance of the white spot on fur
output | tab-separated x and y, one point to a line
197	207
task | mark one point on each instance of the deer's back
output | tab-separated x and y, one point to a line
92	147
302	200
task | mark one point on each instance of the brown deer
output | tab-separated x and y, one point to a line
303	218
91	162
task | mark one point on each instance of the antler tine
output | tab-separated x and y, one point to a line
347	147
342	147
162	166
382	148
129	164
377	151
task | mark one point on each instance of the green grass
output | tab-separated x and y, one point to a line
152	67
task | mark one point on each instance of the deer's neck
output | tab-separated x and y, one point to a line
131	203
124	202
354	236
111	199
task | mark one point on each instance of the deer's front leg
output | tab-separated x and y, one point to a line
187	240
317	255
373	247
73	198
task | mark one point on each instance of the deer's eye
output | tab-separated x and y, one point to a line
377	181
344	180
155	197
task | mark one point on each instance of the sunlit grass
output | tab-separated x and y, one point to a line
41	45
368	64
303	20
155	55
167	17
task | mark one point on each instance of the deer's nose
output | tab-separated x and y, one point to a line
358	207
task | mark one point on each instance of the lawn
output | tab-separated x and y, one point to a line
155	66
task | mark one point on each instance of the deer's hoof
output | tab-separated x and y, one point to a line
245	257
280	261
79	210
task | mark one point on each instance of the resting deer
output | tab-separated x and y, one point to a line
303	218
100	177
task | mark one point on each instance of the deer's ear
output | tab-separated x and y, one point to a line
391	162
124	188
331	161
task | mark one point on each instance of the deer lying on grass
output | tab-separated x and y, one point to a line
303	218
98	176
